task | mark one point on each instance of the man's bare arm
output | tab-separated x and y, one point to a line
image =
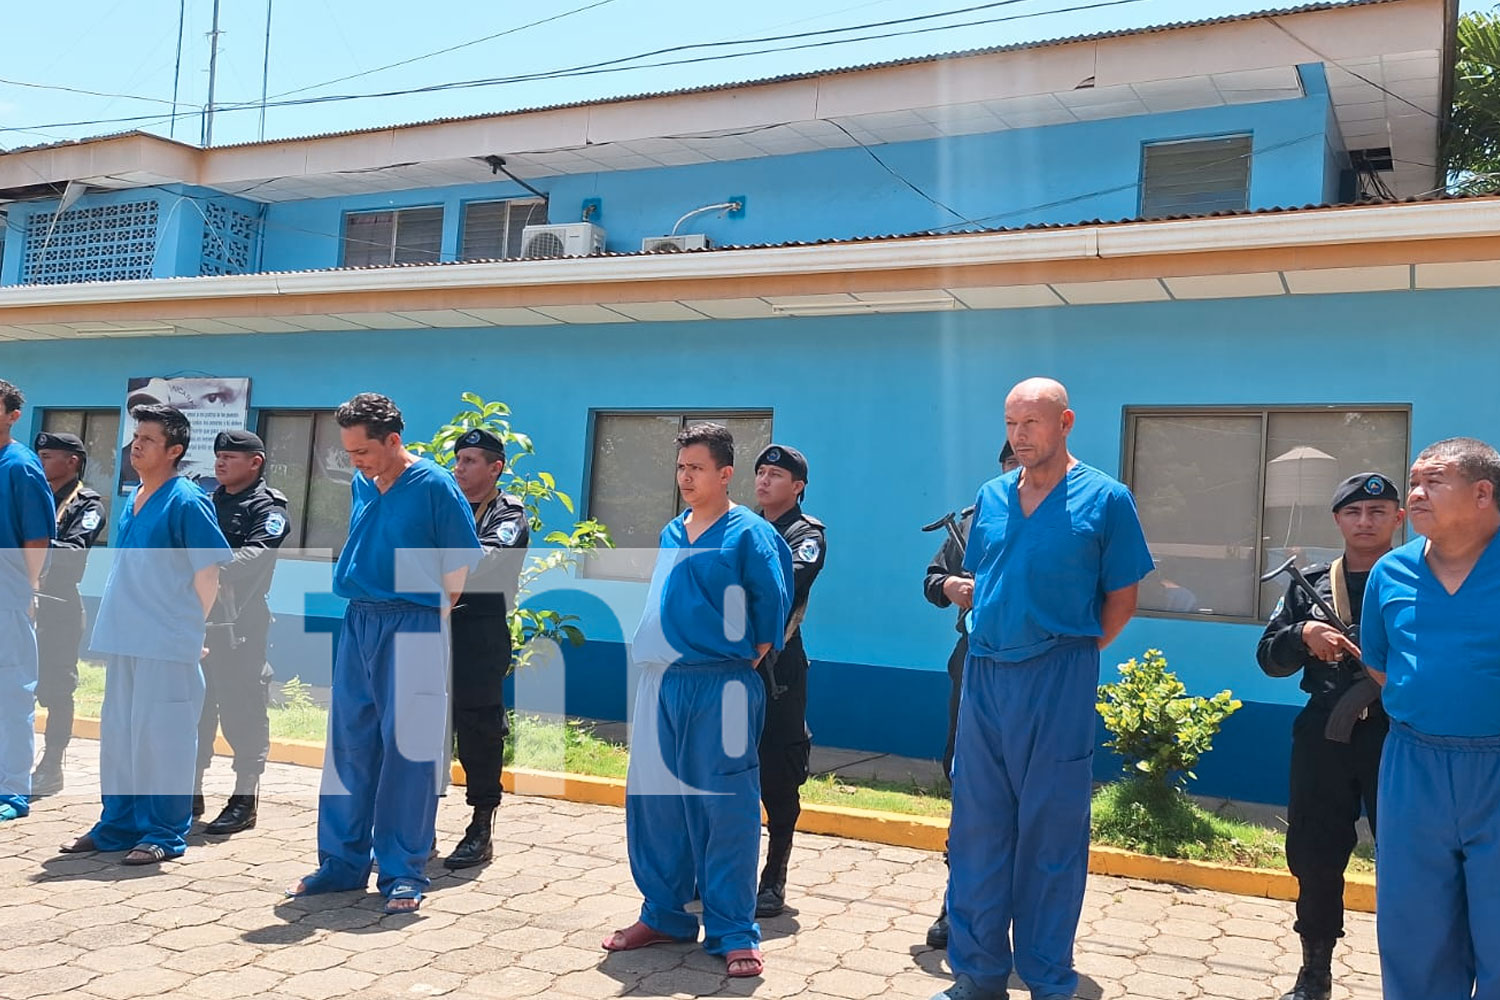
35	552
1119	605
206	584
453	585
761	650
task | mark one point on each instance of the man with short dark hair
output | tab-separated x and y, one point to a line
150	623
253	518
719	599
1336	739
1431	636
786	742
27	525
411	544
60	615
481	636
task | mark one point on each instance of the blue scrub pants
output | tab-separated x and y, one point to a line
692	809
18	666
386	723
1437	852
1018	843
148	745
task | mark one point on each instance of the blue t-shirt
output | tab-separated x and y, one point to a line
714	600
1440	652
404	541
1041	580
27	514
149	608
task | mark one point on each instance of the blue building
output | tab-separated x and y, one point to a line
1227	238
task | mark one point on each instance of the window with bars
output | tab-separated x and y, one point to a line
305	459
1195	176
401	236
100	433
492	229
115	242
1228	494
633	477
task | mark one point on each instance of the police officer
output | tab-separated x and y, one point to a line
786	742
946	584
481	636
1337	738
254	520
60	621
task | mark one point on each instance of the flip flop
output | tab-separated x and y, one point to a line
401	892
145	854
320	882
82	845
9	812
638	935
751	955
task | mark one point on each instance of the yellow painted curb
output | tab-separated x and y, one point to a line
920	832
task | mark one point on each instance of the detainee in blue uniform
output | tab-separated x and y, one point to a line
25	529
150	625
719	599
1056	550
1430	627
411	543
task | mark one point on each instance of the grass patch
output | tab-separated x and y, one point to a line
909	798
544	744
1153	819
294	715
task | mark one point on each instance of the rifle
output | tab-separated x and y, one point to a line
768	662
1354	704
950	521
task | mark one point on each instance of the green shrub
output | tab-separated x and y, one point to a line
1159	728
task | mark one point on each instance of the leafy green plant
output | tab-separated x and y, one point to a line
296	693
1471	143
537	490
1159	728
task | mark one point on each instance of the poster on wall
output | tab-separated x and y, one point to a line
211	405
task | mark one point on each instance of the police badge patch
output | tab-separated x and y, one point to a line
509	532
808	550
276	524
1374	486
90	520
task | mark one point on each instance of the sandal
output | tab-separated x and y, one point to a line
403	892
9	812
638	935
145	854
319	882
83	845
750	962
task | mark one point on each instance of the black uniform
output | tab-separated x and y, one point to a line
235	671
949	561
481	645
1330	780
60	623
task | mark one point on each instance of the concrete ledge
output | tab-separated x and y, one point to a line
919	832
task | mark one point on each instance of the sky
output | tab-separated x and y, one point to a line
125	52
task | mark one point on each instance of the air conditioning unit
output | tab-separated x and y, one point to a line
570	239
675	244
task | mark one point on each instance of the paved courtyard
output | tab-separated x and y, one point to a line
215	925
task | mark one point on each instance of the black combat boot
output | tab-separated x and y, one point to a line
771	899
198	805
937	934
238	814
1315	981
476	848
47	779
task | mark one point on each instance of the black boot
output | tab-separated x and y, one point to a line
771	899
47	779
937	934
476	847
198	807
1315	981
238	815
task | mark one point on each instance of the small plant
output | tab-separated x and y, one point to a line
296	694
1159	728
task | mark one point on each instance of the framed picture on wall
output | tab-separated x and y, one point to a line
210	404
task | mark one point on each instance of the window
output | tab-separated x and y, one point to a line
633	480
100	431
404	236
1195	177
305	459
1226	495
492	229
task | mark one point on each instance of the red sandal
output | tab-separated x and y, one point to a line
750	955
637	935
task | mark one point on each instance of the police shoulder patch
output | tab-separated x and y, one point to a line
90	520
808	550
509	532
276	524
1280	607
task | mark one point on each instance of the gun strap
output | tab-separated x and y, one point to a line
72	495
1340	590
484	505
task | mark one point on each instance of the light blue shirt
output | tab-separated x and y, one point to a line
27	514
419	530
715	599
149	608
1041	580
1440	652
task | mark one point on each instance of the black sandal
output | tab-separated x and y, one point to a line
145	854
83	845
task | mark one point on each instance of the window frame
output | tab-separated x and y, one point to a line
395	241
300	526
1149	144
1264	412
113	493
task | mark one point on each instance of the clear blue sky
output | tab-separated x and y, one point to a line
128	47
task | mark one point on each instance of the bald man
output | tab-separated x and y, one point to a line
1057	551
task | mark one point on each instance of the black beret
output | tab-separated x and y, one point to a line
1365	486
1007	454
787	458
59	442
238	440
480	438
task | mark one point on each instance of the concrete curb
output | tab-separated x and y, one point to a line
919	832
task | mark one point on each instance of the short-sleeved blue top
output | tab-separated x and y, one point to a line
27	514
715	599
1440	652
1041	580
149	608
404	541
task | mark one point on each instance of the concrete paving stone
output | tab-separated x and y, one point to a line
207	958
56	979
560	959
121	958
680	982
46	955
1155	987
152	982
848	983
592	984
1181	947
440	940
1239	988
475	960
392	958
230	985
1180	927
1265	930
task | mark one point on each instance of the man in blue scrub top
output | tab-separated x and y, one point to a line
719	600
161	584
24	536
411	544
1056	550
1431	631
